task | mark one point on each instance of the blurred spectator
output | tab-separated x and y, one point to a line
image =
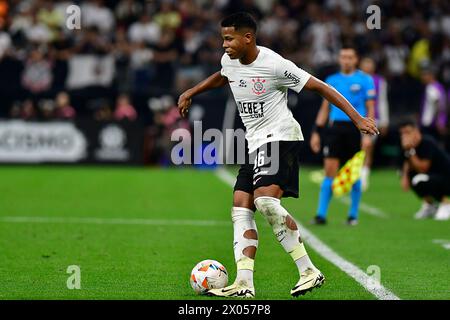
5	39
244	5
124	109
15	111
37	76
142	71
158	143
381	116
127	12
96	14
154	48
168	16
63	108
396	51
420	51
103	112
343	5
50	17
433	118
122	51
324	35
37	31
47	109
60	51
28	111
92	64
22	21
209	53
4	9
144	30
165	54
381	101
270	25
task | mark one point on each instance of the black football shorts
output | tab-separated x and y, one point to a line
341	140
273	163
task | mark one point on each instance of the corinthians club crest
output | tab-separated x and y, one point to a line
258	86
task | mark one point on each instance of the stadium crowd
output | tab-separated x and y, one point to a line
128	52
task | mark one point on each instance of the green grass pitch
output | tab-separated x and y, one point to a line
54	217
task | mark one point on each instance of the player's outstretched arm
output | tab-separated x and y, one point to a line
320	123
365	125
405	179
215	80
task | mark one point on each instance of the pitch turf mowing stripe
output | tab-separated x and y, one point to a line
378	290
92	220
366	208
410	264
132	261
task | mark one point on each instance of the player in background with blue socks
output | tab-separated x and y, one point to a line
340	138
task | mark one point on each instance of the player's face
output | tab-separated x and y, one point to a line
234	42
426	77
410	133
348	60
368	66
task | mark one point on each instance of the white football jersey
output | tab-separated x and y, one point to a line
260	90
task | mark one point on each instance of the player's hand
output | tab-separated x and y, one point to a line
367	126
184	102
405	183
315	142
407	142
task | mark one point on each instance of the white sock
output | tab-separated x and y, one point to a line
243	222
304	263
285	229
245	276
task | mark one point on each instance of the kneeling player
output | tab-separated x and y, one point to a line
426	169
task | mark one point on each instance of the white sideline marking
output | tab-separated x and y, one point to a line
364	207
442	242
91	220
378	290
225	176
317	176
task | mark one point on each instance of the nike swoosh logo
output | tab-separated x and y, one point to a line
243	293
231	81
301	284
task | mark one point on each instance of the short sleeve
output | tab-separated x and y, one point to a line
369	88
290	76
223	71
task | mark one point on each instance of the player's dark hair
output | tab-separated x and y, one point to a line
240	20
350	46
407	122
427	67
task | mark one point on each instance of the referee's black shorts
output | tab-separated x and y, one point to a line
341	140
266	172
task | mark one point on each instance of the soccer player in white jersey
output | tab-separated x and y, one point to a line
259	79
